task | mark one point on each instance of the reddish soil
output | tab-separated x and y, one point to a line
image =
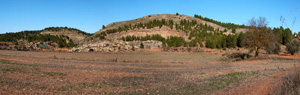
30	72
263	86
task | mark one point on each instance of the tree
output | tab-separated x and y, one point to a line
142	45
231	41
219	43
103	27
259	36
240	39
287	36
233	30
223	42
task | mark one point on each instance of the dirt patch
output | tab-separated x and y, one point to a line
264	86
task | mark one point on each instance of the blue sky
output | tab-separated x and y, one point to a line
90	15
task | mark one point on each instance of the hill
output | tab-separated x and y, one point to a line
169	29
74	34
48	38
175	25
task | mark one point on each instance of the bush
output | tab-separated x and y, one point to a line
236	56
293	47
275	50
289	85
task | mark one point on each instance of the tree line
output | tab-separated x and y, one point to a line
67	28
226	25
14	37
148	25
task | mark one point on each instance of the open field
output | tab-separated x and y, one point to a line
142	72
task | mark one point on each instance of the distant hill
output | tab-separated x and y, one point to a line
59	37
74	34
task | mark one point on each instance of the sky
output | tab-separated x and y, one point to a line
90	15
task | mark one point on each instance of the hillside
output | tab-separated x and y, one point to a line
165	30
175	26
74	34
48	39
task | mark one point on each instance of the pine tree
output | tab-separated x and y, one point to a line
142	45
240	39
103	27
286	36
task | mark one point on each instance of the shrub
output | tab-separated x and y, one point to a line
289	85
235	56
275	50
293	47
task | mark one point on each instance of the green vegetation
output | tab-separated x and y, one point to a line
142	45
198	33
214	39
293	47
285	35
150	24
240	39
14	37
36	36
144	38
68	28
173	41
226	25
103	27
50	38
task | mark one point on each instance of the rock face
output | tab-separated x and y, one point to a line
151	44
115	46
103	46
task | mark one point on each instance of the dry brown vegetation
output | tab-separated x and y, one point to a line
142	72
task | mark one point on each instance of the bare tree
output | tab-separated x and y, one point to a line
259	36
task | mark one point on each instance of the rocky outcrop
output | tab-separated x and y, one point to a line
151	44
103	46
115	46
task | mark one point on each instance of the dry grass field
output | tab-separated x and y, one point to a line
141	72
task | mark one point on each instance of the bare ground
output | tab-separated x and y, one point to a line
31	72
